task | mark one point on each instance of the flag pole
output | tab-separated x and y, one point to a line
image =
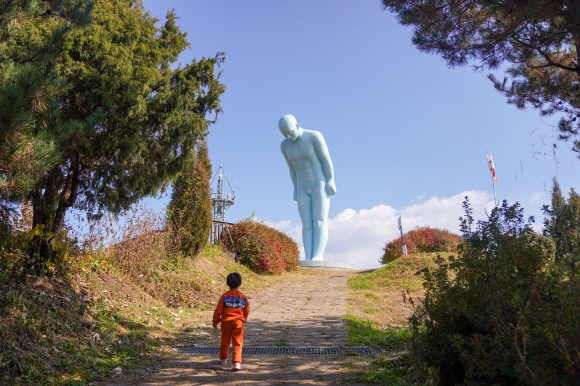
493	176
493	184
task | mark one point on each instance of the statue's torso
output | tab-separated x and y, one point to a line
304	159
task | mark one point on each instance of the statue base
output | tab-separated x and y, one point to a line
323	264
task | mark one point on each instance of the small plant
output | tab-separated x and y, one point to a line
262	248
283	342
397	366
424	240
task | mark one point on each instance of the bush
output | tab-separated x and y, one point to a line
189	214
503	311
262	248
17	240
421	239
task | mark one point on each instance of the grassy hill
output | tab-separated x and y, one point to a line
376	296
100	318
377	317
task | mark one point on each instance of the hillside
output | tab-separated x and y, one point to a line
378	317
97	319
377	296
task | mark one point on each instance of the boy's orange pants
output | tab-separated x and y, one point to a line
233	331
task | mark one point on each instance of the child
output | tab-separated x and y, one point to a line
232	311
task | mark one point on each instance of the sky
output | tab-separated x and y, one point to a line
407	135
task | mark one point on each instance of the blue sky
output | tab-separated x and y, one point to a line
407	135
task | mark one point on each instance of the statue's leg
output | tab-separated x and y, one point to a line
305	211
320	207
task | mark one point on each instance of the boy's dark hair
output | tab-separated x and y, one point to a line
234	280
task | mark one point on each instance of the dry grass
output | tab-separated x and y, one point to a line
124	298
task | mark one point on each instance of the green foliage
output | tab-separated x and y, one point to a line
539	40
262	248
365	333
190	209
399	371
421	239
400	275
562	223
500	312
399	367
133	116
11	254
16	235
31	37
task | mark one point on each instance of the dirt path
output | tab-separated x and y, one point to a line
301	310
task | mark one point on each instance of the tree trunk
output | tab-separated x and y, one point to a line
49	209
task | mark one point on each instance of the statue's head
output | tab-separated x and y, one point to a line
289	127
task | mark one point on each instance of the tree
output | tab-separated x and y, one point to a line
540	41
562	223
31	37
190	209
152	114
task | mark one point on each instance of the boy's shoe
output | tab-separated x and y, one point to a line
237	366
224	362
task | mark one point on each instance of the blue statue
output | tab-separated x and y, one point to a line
313	178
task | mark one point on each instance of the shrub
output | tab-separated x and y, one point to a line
503	311
17	240
421	239
262	248
189	213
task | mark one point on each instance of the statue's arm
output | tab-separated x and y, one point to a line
324	157
291	167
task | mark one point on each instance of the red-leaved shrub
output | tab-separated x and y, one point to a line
421	239
261	248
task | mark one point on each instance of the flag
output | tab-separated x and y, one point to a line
491	166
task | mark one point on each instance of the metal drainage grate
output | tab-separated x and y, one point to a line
249	350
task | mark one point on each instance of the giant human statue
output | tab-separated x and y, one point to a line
313	178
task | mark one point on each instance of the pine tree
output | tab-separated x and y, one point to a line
31	37
538	40
190	209
141	115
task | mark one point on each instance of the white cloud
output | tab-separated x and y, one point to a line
357	237
418	198
538	197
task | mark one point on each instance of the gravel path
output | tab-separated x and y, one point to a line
299	310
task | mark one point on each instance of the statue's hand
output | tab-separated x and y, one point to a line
330	187
295	194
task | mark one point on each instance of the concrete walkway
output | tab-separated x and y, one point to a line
307	311
302	310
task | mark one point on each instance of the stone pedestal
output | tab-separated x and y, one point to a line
323	264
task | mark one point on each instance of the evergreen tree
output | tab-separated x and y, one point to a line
190	208
31	37
540	41
562	223
152	114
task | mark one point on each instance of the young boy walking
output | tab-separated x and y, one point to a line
232	311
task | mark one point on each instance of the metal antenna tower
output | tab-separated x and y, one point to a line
221	202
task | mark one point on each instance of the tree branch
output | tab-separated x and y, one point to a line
551	63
